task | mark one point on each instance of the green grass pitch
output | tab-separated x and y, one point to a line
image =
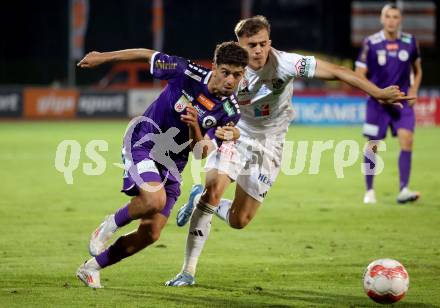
307	246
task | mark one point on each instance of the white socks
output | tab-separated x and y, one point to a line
223	209
199	229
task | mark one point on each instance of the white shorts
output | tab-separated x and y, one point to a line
254	163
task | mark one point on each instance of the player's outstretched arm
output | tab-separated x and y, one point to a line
329	71
95	58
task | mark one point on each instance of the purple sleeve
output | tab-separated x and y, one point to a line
415	50
211	132
167	67
362	60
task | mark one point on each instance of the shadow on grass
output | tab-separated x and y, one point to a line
257	297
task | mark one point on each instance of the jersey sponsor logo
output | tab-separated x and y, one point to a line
189	97
228	108
202	99
403	55
381	57
227	150
162	65
244	102
303	66
181	104
406	38
200	112
262	110
392	46
193	76
209	122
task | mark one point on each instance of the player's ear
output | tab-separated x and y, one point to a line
214	66
269	43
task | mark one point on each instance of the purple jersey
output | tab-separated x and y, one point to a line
187	84
389	62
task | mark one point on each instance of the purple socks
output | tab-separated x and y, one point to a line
121	216
369	175
115	253
404	168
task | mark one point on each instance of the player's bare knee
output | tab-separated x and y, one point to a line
239	222
406	143
152	203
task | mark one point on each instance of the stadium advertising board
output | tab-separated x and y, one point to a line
92	104
140	100
46	103
329	110
11	104
427	111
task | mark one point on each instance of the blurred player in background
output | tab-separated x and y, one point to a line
191	109
387	58
265	98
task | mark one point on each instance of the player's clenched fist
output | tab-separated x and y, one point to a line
190	118
393	95
92	59
227	133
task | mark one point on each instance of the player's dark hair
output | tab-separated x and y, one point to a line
251	26
231	53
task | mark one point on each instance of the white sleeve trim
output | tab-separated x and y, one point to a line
360	64
207	77
312	68
152	62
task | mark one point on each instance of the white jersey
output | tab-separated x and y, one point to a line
265	96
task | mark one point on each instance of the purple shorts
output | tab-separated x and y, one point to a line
379	117
147	170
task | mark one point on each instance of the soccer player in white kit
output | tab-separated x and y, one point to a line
253	162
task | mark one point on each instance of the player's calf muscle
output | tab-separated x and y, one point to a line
214	190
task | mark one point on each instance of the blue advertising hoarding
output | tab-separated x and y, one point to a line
329	110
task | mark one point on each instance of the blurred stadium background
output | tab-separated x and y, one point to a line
313	237
42	41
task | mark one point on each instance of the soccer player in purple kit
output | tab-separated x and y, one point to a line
387	58
196	105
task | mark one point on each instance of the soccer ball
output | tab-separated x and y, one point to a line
386	281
